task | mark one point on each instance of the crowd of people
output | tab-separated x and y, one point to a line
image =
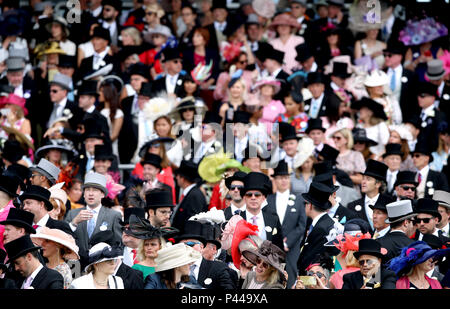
206	144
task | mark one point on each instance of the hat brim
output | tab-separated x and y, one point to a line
396	153
378	254
366	140
96	186
28	228
43	173
23	252
42	149
12	194
252	256
322	205
376	176
191	236
72	255
103	260
26	196
405	217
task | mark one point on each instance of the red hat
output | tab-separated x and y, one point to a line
14	99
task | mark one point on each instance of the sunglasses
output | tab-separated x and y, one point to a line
192	243
264	264
177	61
243	62
54	90
417	155
255	194
232	187
387	55
419	220
150	13
337	138
318	274
406	188
368	262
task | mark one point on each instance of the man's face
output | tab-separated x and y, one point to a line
220	15
93	196
173	66
379	217
425	100
420	160
37	179
316	89
130	241
12	233
369	263
407	190
102	166
283	182
149	172
253	200
66	71
109	13
86	101
235	193
210	251
90	143
445	212
426	223
160	216
369	185
208	132
290	147
317	136
253	32
33	206
308	63
392	60
271	65
23	265
297	10
136	82
99	44
254	164
15	78
393	162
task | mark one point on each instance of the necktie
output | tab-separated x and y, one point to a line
376	235
35	226
237	211
314	112
419	179
91	226
192	269
181	197
422	115
134	256
90	163
393	80
254	220
27	283
390	176
310	229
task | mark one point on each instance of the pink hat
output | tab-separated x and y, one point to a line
268	81
59	237
14	99
284	20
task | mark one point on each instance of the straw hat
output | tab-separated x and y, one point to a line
305	149
175	256
59	237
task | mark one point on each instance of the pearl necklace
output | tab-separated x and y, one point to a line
101	283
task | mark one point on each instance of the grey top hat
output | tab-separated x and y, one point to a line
47	169
252	19
18	53
442	197
15	64
302	2
62	80
95	180
435	69
400	210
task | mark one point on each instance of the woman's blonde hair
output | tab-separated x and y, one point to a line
18	110
347	134
274	276
350	259
135	34
244	91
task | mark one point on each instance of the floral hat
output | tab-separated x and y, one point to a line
422	31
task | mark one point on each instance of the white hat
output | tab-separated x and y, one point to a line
103	252
376	78
402	130
57	192
161	29
175	256
305	149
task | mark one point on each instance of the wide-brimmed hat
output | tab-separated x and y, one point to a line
370	247
95	180
60	237
62	145
189	170
435	69
15	100
141	228
20	218
402	130
158	198
318	195
414	254
399	210
428	206
114	80
326	179
284	20
102	252
442	197
59	20
9	184
376	169
236	176
376	78
47	169
268	81
255	181
231	163
305	149
188	103
37	193
376	108
269	253
152	139
175	256
156	8
393	149
360	135
421	31
53	48
19	247
354	230
406	177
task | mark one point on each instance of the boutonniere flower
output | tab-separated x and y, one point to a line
306	108
268	229
404	79
27	94
431	191
211	150
179	82
275	231
431	113
446	96
291	203
102	63
217	144
358	207
429	184
207	281
293	210
66	112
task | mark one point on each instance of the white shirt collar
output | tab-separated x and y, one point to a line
101	54
234	208
34	274
90	109
62	103
383	231
318	99
425	170
316	219
428	109
43	220
333	209
374	199
188	188
276	72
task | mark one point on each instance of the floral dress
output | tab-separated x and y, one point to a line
299	121
65	271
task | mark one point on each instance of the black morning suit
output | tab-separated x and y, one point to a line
354	280
132	278
193	203
394	242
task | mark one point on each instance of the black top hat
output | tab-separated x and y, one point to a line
189	170
427	88
251	151
276	55
219	4
359	135
324	167
100	32
393	149
303	52
405	177
241	117
88	87
20	218
116	4
326	179
314	124
340	69
282	169
382	201
9	185
376	169
140	69
395	47
315	78
92	129
369	247
12	151
211	117
287	132
153	159
233	26
191	236
171	54
19	247
318	195
264	49
209	232
127	212
256	181
329	153
422	147
3	266
428	206
375	107
67	61
158	198
146	90
5	90
103	152
20	172
236	176
153	139
37	193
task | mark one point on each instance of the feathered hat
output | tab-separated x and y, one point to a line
243	231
